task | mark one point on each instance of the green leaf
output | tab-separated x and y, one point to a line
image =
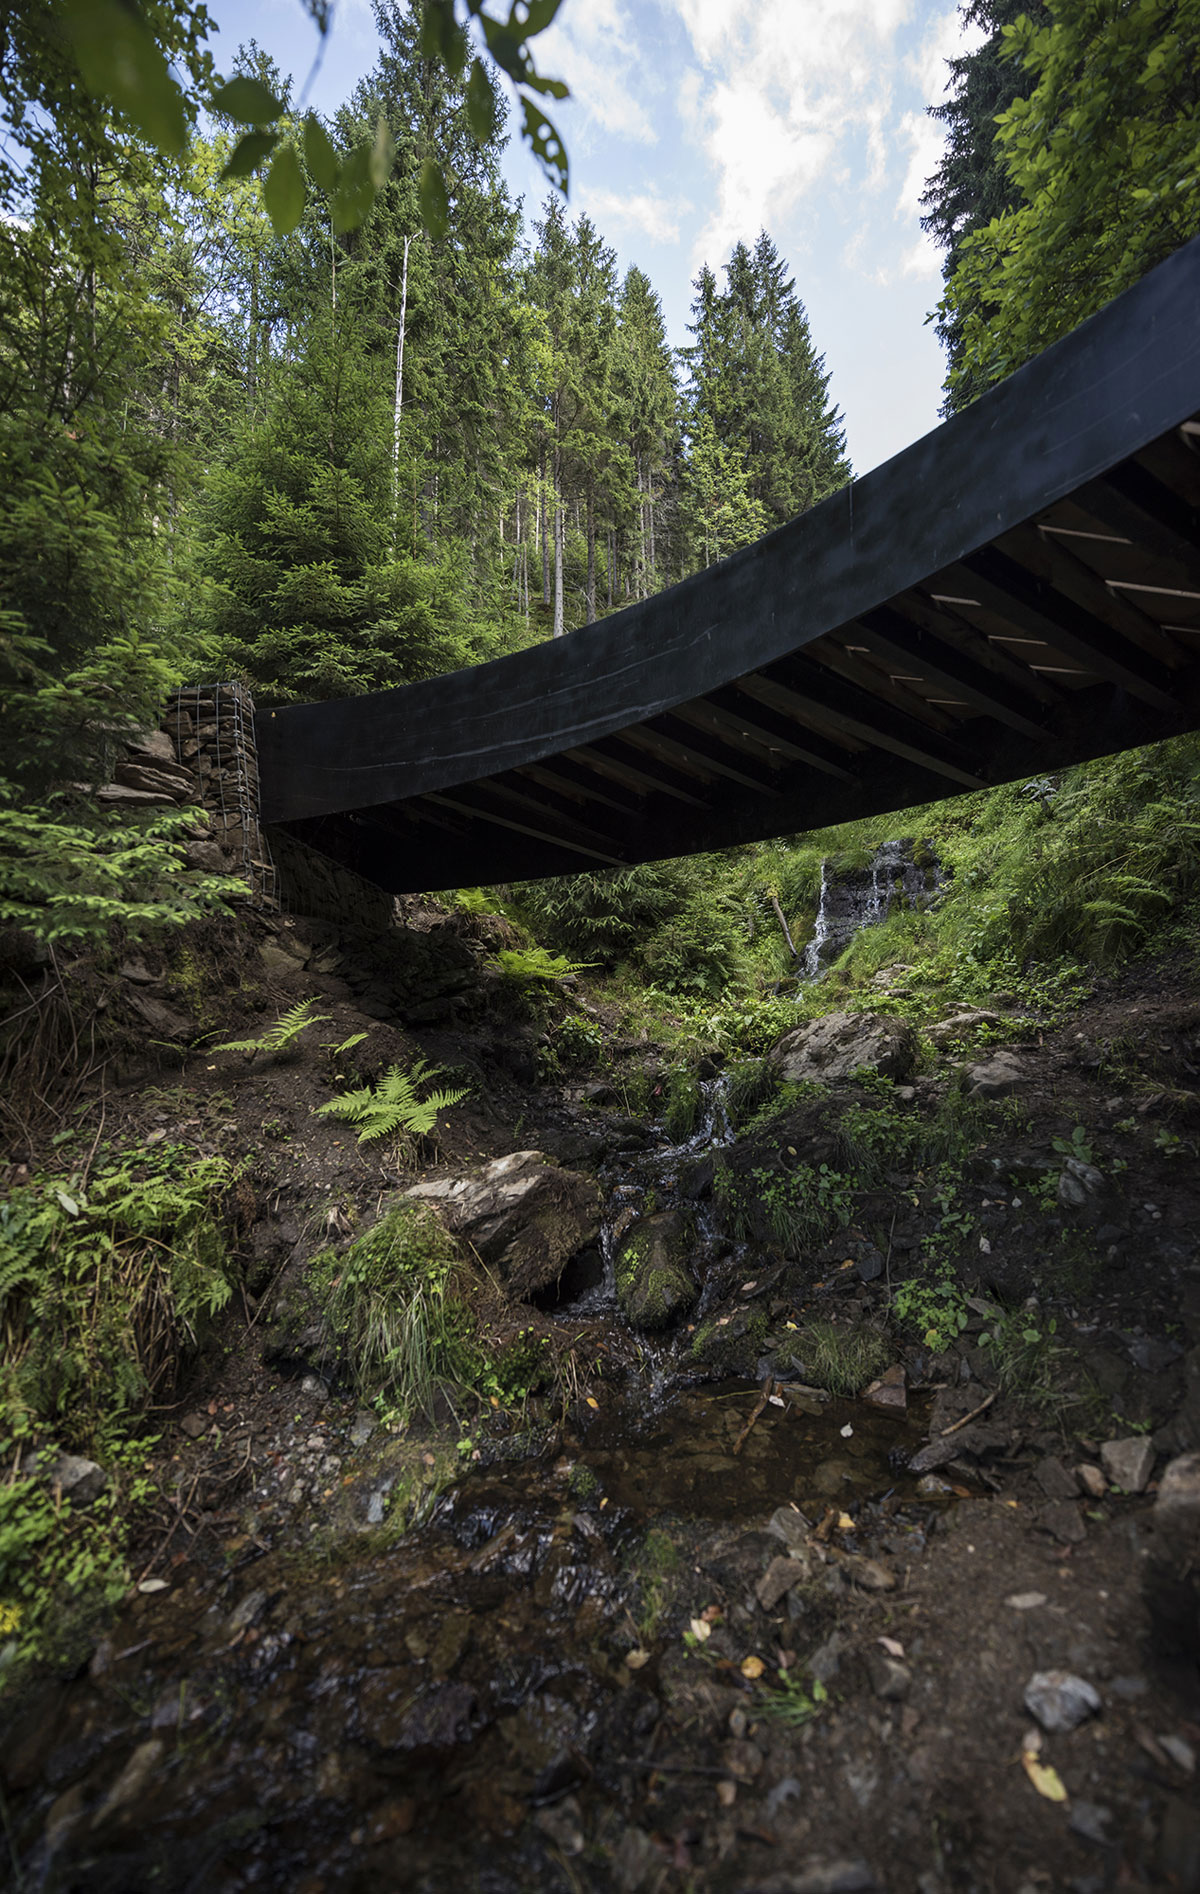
383	154
319	154
356	192
248	153
547	146
435	205
247	101
538	15
284	192
442	37
481	104
120	60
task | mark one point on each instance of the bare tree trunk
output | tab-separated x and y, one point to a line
559	535
612	560
591	557
641	559
653	555
399	404
542	531
787	932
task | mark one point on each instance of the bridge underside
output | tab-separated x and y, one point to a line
1017	591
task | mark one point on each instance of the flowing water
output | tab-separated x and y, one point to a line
387	1716
863	897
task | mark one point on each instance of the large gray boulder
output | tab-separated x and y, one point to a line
524	1214
1172	1580
654	1286
831	1049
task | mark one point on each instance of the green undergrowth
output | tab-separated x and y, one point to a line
841	1357
401	1324
109	1276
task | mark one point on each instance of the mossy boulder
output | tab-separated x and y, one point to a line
525	1215
731	1342
829	1050
654	1286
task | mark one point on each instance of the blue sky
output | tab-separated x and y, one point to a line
697	122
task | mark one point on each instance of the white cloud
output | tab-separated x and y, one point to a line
655	217
594	49
792	100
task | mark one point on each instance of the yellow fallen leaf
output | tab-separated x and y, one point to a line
700	1630
592	1401
752	1667
635	1659
1045	1780
791	1325
845	1523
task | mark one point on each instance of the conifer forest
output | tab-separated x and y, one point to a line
669	1378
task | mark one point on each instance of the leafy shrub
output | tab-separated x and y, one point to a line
798	1208
684	1103
104	1284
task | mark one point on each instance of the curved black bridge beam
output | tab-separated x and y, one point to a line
1017	591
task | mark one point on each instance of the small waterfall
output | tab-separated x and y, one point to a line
813	952
863	897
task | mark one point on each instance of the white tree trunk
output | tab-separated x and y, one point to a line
399	403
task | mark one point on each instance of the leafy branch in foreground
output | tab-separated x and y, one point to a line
279	1037
394	1107
122	58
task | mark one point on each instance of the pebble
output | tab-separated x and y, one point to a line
1055	1480
1129	1462
312	1384
1059	1700
362	1429
1090	1819
1062	1519
1026	1600
890	1679
193	1425
1091	1480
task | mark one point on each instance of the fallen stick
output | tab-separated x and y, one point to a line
973	1415
763	1398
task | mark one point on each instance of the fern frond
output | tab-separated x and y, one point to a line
286	1028
394	1107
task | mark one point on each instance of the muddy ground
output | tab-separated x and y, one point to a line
660	1632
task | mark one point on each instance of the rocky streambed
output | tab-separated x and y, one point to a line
696	1622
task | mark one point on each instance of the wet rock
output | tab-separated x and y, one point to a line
729	1343
362	1428
831	1049
1055	1480
1091	1480
995	1078
1129	1462
890	1679
778	1580
935	1454
653	1284
889	1391
131	1781
524	1214
195	1424
1059	1700
315	1387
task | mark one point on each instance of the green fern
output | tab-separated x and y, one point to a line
279	1037
394	1107
524	965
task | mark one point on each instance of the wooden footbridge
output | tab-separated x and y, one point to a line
1017	591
